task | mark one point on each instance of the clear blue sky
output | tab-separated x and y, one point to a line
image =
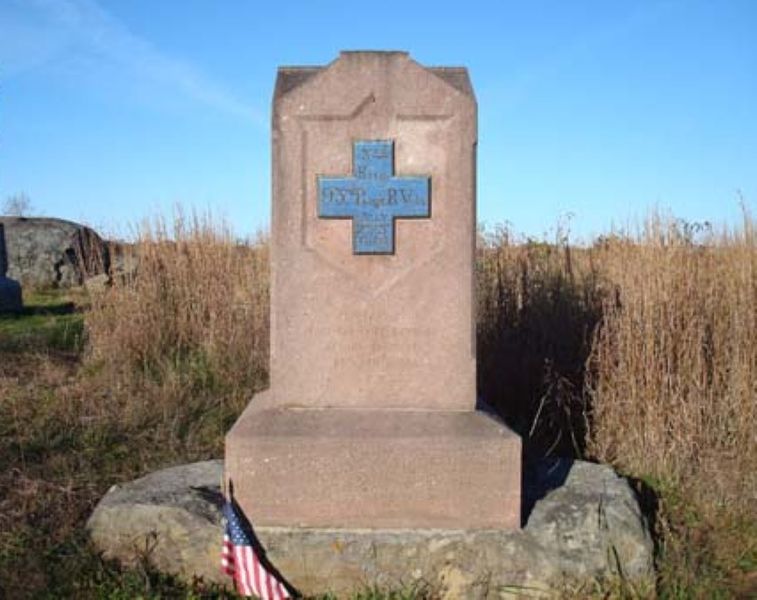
111	110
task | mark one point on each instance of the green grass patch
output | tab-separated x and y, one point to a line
51	320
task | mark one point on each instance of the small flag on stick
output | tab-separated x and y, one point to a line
239	559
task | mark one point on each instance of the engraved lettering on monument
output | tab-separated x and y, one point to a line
373	197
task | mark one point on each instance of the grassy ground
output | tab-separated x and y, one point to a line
638	351
50	321
59	452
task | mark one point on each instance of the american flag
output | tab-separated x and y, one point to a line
239	559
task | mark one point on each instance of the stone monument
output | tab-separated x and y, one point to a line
366	463
370	421
10	289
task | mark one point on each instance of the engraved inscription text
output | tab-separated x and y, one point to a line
373	197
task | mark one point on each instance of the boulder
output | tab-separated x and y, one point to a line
46	252
584	523
591	521
172	516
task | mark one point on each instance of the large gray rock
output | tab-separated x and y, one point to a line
45	252
589	526
592	523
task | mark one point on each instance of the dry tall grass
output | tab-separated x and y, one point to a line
640	351
174	352
538	306
673	372
190	322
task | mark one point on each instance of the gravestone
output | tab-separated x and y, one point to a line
10	290
370	421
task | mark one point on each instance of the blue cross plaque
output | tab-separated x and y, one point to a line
373	197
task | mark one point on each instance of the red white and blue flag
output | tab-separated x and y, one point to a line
239	559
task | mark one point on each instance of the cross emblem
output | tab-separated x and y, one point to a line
373	197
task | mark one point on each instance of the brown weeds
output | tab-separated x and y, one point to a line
639	351
191	319
673	373
538	304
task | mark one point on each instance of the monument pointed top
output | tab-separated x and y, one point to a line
376	52
291	77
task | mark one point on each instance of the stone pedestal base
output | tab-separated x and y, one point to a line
374	469
586	526
10	295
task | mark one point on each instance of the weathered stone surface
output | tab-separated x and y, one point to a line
591	521
434	466
45	252
585	522
171	516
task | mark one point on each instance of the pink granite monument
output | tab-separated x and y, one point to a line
370	419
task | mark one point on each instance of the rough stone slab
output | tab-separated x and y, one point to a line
588	519
171	516
375	469
585	522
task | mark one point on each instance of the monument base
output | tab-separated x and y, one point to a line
586	526
374	469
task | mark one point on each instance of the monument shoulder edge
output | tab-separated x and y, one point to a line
457	77
289	78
